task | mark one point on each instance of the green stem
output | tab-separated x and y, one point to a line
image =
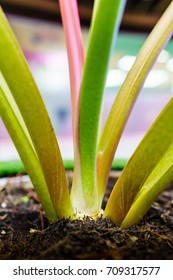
151	155
27	154
102	37
30	104
128	93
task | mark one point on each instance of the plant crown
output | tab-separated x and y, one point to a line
22	110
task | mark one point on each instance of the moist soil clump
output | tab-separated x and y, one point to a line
25	232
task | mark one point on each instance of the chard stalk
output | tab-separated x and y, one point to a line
128	93
85	195
30	104
146	174
75	51
19	134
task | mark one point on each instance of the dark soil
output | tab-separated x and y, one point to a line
25	233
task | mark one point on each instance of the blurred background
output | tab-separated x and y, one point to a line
37	26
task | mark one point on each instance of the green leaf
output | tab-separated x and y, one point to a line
27	97
128	93
149	160
103	33
19	134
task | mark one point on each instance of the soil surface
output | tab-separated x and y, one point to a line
25	233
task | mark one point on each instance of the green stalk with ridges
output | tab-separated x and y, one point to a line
22	86
150	155
17	131
128	93
159	178
102	37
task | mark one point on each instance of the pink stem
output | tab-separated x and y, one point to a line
75	51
